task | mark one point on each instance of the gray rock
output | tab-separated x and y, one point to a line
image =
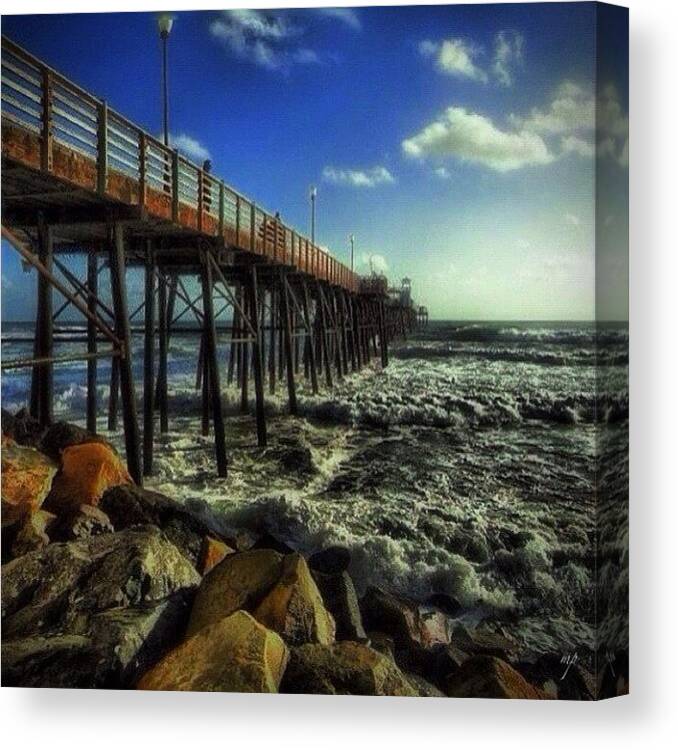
63	435
331	560
80	523
340	598
94	613
128	506
58	589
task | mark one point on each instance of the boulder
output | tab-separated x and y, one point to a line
34	533
341	600
212	553
119	646
344	668
563	681
87	471
22	427
268	541
81	522
59	589
27	478
239	581
435	664
480	641
489	677
403	619
234	654
332	560
422	687
294	607
62	435
129	505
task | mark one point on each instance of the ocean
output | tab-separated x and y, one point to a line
468	468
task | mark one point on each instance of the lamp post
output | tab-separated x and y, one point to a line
165	21
351	239
313	194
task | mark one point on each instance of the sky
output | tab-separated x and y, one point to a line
457	143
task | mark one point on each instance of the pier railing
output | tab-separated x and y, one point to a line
55	126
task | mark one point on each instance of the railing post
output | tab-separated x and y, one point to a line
102	148
175	186
201	187
142	169
253	227
47	139
221	211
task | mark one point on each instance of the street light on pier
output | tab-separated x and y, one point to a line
351	239
313	194
165	22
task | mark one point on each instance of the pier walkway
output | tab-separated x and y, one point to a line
78	178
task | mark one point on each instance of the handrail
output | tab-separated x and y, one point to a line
115	146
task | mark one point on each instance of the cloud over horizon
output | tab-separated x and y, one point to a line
367	178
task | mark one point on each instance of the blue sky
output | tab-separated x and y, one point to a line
455	142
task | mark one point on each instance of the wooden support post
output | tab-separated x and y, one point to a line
149	357
204	372
324	336
383	343
44	374
233	345
258	360
244	366
92	367
349	317
113	395
306	301
162	353
356	333
287	338
129	407
271	339
213	365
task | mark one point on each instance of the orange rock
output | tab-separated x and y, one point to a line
26	480
489	677
87	471
212	553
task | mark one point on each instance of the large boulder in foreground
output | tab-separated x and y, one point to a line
27	478
119	645
234	654
489	677
404	620
239	582
344	668
129	505
94	613
33	533
294	607
277	590
60	588
87	471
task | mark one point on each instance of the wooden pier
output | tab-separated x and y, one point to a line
80	179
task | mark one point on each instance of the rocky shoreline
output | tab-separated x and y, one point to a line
108	585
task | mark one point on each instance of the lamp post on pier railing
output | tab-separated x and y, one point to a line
165	21
351	239
313	194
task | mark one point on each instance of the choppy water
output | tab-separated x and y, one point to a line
467	467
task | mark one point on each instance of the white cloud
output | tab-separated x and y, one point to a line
475	138
375	262
189	147
508	51
265	38
573	219
455	57
358	177
572	144
349	16
443	173
571	110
